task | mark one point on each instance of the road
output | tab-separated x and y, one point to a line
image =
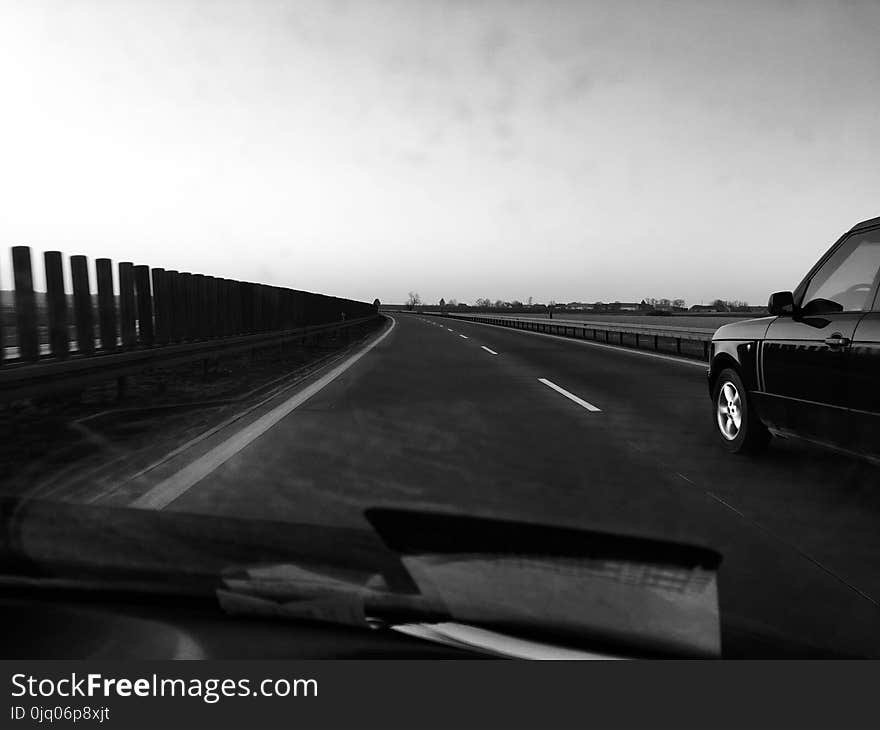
491	421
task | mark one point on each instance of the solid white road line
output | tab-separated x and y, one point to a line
171	488
491	352
464	337
570	396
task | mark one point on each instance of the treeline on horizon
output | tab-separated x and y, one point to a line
648	305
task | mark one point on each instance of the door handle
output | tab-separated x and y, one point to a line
837	340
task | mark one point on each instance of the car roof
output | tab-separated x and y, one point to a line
866	224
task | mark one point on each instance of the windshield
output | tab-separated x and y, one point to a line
264	269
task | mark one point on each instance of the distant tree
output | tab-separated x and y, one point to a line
719	305
530	301
413	300
484	303
376	304
678	303
442	303
737	305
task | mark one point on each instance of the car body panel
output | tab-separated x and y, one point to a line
805	380
864	395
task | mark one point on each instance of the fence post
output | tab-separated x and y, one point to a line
210	307
59	335
82	305
160	306
200	311
126	305
173	286
258	307
25	304
144	304
195	318
106	304
185	305
234	307
224	307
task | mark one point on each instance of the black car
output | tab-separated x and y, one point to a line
812	368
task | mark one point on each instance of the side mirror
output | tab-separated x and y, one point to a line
781	304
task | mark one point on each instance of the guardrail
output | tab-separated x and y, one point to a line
690	342
158	317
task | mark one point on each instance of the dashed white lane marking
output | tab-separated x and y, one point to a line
490	351
570	396
171	488
464	337
450	329
591	343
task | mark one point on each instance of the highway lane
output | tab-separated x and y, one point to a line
483	420
824	504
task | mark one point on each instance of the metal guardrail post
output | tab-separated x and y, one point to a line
258	307
185	306
235	306
175	294
25	304
106	304
82	305
127	328
200	310
210	307
160	306
59	334
227	304
144	304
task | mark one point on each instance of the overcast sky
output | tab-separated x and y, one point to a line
559	150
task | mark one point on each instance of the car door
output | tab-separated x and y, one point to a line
865	383
806	358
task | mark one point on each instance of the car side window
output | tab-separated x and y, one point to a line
846	281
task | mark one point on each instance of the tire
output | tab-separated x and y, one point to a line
736	424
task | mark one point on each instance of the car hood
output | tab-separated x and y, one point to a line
467	580
747	329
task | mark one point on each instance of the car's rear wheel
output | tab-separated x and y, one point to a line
738	427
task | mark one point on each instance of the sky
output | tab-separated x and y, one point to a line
556	150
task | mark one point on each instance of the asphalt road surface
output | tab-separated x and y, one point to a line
484	420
